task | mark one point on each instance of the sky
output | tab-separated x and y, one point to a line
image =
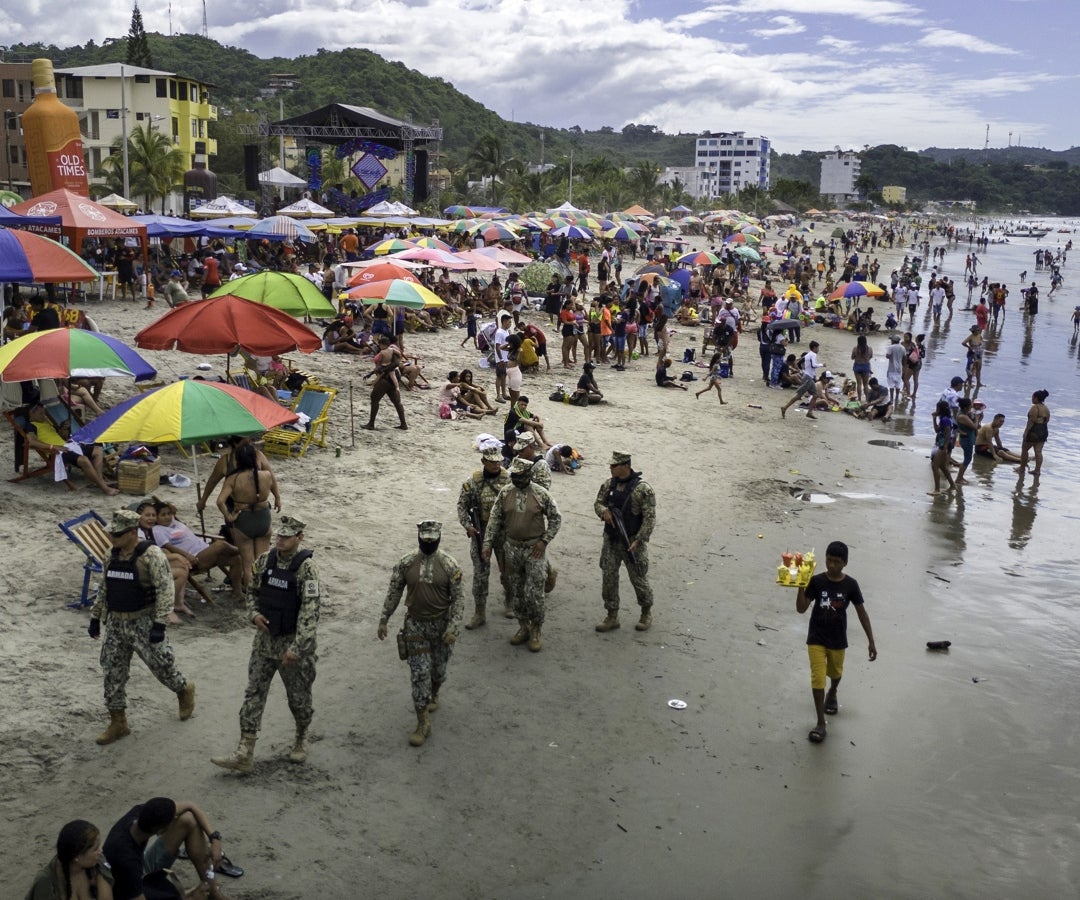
808	74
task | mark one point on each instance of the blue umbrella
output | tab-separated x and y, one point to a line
169	226
281	228
574	232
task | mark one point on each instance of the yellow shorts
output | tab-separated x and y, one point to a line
824	663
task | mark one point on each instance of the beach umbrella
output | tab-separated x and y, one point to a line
396	292
620	233
699	258
496	231
654	278
432	243
574	232
391	245
70	353
749	253
682	278
383	271
458	212
115	201
223	323
281	228
27	258
287	291
856	289
169	226
652	269
740	238
838	232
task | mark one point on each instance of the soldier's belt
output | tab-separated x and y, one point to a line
129	616
527	542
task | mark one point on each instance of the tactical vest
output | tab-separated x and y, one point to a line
124	592
279	596
618	498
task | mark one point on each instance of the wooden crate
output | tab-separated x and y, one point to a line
137	477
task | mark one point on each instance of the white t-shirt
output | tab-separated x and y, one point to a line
810	364
501	337
913	296
937	296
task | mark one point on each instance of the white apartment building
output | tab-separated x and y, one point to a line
839	172
728	161
691	178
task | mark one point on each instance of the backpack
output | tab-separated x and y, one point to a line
914	357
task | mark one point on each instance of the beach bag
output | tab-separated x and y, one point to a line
688	355
914	358
445	412
557	396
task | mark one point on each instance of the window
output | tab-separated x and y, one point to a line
161	87
13	153
183	91
175	130
142	79
9	87
172	90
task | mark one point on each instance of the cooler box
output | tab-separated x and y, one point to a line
138	477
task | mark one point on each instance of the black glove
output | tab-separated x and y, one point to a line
157	632
94	628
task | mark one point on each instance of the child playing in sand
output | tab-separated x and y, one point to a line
830	592
662	378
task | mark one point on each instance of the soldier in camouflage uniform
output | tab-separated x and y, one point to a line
526	447
526	519
478	494
434	604
283	604
624	495
135	598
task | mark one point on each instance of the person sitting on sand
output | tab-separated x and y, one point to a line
520	419
663	363
587	390
473	394
450	396
878	402
78	870
563	458
988	441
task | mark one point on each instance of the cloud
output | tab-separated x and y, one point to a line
838	45
942	37
784	25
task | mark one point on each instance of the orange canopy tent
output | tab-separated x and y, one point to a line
80	218
637	210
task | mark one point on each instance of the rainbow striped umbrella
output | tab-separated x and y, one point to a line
70	353
699	258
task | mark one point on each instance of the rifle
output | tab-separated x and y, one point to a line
620	526
474	516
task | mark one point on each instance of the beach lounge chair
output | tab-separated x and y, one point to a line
314	402
87	532
19	419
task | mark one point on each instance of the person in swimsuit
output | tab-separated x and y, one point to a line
974	344
387	361
249	513
1036	432
967	427
226	465
861	354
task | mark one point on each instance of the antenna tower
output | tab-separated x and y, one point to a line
986	143
170	18
206	34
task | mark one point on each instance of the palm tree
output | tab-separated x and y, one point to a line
155	167
644	180
488	159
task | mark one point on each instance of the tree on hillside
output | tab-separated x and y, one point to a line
644	180
155	167
138	48
800	194
486	159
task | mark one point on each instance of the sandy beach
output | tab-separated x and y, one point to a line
565	773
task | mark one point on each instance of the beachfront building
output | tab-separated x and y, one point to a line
729	161
839	172
893	194
690	178
177	106
16	94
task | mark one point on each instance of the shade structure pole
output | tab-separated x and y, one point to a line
352	418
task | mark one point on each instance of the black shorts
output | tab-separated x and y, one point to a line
541	349
500	368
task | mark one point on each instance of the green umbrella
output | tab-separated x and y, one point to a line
292	294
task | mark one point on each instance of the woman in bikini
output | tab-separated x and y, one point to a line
974	344
1035	433
226	465
861	354
249	491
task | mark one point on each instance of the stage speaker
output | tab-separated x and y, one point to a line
251	167
420	180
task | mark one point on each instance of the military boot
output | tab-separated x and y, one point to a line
535	644
298	754
187	701
611	622
645	622
118	727
522	634
423	728
508	613
242	760
552	577
478	620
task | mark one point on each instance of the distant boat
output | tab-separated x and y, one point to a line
1033	231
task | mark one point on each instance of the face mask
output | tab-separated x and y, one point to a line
521	481
489	474
428	547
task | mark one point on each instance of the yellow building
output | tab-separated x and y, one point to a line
115	96
892	193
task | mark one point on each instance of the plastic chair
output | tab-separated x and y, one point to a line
314	402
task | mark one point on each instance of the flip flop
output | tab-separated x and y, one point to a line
225	867
831	707
817	736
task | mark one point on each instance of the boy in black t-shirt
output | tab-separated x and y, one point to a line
830	594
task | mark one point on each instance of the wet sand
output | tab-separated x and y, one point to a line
565	773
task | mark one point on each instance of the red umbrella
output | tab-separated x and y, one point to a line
384	271
221	324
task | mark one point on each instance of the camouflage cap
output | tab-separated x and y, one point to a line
525	439
123	520
619	458
429	530
492	454
520	466
289	526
